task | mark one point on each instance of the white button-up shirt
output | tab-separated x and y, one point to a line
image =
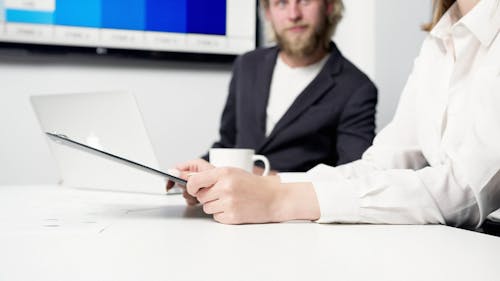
438	161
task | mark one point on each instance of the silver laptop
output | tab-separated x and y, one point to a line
109	121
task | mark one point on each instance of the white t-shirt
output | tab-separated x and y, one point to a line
287	84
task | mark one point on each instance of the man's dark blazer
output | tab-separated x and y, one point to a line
332	121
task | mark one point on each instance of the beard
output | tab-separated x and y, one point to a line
304	44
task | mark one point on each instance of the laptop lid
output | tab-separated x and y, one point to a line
109	121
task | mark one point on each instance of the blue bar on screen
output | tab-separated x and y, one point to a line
124	14
29	16
206	17
166	16
85	13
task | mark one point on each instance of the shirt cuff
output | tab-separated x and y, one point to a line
339	201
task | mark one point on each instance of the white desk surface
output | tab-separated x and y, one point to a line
60	233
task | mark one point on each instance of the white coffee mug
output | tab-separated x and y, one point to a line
237	157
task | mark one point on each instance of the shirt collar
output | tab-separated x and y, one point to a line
483	21
443	28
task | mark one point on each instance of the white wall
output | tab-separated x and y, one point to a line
355	34
182	102
397	43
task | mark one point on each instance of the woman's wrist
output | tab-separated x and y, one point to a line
294	201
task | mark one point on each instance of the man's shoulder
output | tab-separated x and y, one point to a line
348	70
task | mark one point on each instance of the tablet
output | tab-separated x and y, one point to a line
64	140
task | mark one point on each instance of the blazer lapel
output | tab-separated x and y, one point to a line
262	88
323	82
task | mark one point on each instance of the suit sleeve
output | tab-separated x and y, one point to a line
356	128
227	129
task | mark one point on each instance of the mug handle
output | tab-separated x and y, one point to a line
267	166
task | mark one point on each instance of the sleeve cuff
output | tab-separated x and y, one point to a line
320	171
339	201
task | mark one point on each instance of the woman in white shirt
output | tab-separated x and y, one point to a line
437	162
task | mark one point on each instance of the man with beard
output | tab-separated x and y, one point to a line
301	102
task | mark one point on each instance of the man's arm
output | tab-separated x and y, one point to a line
228	128
356	128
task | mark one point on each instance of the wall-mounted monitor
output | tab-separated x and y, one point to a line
217	27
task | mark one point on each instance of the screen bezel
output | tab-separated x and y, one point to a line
114	52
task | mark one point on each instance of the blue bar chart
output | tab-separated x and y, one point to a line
184	26
180	16
29	16
84	13
123	14
206	17
167	16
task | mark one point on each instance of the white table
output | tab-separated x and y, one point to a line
58	233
